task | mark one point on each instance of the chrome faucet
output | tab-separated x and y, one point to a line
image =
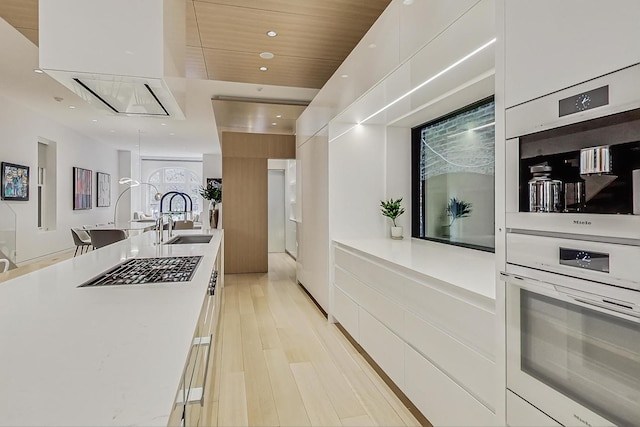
170	223
159	228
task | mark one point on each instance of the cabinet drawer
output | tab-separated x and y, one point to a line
468	323
346	312
470	369
440	399
385	281
381	307
383	346
522	414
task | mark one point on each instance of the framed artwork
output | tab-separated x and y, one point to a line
104	190
82	188
15	181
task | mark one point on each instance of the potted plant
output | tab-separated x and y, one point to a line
213	193
457	209
393	209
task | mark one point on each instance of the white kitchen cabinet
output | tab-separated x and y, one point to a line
195	383
454	358
434	340
551	45
522	414
439	398
382	308
345	310
386	348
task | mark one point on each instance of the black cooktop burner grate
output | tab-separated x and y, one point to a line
148	270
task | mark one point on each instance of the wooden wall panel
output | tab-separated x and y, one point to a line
282	149
245	196
260	145
244	214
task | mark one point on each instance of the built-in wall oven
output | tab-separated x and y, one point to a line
573	254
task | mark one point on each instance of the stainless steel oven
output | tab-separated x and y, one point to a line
573	255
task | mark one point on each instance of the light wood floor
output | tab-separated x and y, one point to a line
36	265
279	362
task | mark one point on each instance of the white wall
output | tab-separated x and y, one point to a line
211	167
21	129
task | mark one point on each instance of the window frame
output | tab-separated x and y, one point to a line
416	141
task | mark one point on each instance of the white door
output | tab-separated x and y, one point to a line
276	206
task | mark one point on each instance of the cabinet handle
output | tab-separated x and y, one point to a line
196	394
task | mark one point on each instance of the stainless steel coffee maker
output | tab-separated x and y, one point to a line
545	193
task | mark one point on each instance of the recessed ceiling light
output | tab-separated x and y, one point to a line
163	124
72	106
171	133
273	124
407	2
344	76
278	116
271	33
263	68
38	70
267	55
94	120
373	46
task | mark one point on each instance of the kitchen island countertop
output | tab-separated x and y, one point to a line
106	356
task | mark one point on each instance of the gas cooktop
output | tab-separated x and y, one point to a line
136	271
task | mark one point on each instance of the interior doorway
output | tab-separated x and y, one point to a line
276	210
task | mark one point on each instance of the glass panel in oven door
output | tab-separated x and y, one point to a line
591	357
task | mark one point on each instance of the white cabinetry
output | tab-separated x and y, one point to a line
522	414
195	383
551	45
437	347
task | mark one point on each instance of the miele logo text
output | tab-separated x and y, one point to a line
581	420
577	222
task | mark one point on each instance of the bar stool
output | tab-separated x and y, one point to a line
81	239
102	238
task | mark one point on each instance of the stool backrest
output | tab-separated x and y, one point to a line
101	238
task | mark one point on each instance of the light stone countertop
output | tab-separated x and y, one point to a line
468	269
98	356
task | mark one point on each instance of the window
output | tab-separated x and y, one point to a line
453	176
173	179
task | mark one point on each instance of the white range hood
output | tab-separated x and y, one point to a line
124	56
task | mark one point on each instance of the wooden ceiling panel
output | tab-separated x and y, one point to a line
32	35
244	30
368	10
193	37
194	63
245	116
20	13
283	71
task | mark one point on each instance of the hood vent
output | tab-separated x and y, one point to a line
136	70
126	98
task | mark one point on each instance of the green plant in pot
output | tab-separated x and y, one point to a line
393	209
458	209
211	192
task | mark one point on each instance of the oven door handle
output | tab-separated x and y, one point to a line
601	303
607	304
527	282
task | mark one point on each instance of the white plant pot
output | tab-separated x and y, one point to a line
396	233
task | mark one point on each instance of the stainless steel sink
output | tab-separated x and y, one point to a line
189	239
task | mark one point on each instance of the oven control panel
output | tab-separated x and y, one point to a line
596	261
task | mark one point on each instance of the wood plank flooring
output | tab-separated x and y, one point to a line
36	265
278	362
